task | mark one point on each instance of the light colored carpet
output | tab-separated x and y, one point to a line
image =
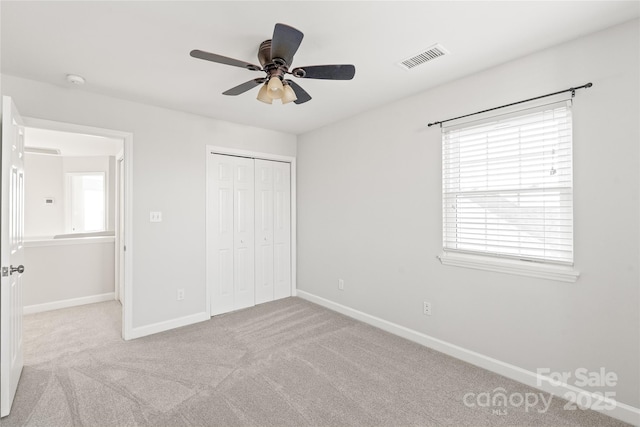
285	363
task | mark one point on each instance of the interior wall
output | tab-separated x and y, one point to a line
369	212
60	271
45	177
168	176
44	180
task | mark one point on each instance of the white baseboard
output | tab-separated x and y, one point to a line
143	331
620	411
56	305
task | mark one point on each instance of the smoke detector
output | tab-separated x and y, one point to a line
75	79
424	56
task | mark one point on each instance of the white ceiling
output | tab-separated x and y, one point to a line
72	144
140	50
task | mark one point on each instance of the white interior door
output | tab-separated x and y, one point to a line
243	246
264	231
11	253
230	236
248	231
273	230
281	230
220	232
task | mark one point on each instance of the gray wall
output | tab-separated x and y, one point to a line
42	179
169	176
369	211
59	272
45	177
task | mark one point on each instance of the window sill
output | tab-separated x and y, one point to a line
501	265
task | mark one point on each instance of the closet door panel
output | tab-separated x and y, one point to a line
264	230
282	229
243	249
220	266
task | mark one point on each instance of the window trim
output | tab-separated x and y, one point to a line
557	272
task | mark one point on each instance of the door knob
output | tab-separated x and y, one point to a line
19	269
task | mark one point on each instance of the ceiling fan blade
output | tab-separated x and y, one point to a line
327	72
301	94
285	42
244	87
207	56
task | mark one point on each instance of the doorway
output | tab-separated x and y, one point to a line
250	227
83	206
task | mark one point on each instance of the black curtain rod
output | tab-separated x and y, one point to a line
571	89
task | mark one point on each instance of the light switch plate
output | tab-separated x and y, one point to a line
155	216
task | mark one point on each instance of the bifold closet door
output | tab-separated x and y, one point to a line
230	221
273	230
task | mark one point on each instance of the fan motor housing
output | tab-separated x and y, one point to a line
264	53
273	66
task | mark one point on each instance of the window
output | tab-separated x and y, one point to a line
508	187
86	202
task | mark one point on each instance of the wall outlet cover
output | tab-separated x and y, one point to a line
426	308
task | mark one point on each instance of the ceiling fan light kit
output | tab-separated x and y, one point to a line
263	95
276	89
276	56
289	95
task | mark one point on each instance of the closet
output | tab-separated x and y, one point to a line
248	231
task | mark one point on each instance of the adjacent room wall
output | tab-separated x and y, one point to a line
45	177
67	271
369	212
168	176
44	180
62	272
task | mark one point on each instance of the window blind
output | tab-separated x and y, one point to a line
508	185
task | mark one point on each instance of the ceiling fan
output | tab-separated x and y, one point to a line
276	56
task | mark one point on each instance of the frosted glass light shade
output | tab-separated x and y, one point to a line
276	90
289	95
263	95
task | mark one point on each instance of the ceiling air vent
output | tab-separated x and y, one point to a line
426	55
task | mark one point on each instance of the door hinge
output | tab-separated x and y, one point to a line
5	271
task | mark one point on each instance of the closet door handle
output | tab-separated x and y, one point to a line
19	269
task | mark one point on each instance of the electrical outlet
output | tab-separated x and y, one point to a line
426	308
341	284
155	216
180	295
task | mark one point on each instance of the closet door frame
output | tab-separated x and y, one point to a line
212	149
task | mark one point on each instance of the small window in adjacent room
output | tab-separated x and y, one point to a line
86	202
508	187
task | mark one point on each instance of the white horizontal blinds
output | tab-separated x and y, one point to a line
507	185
